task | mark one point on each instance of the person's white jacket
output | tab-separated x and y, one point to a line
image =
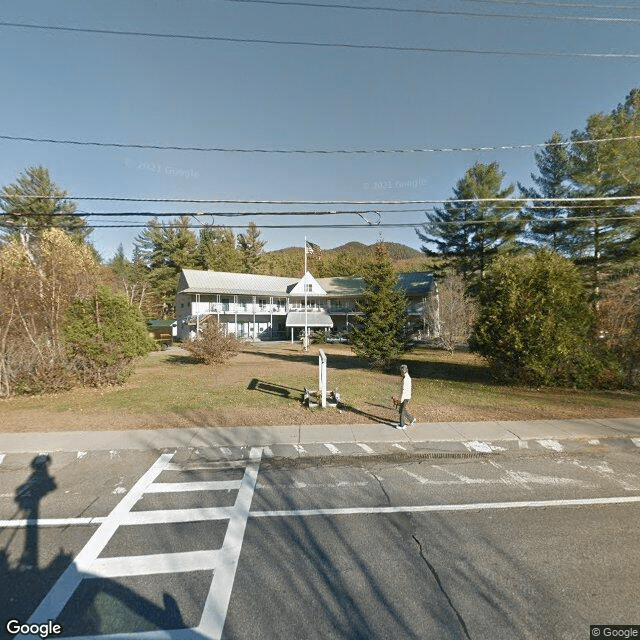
405	389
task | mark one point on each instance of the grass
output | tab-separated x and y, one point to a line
264	384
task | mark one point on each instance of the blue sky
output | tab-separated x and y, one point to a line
158	91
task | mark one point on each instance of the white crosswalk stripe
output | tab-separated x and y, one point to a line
366	448
554	445
223	561
332	448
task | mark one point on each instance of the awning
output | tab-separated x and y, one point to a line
314	319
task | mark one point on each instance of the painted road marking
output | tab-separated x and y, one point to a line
205	485
399	446
551	444
478	446
334	450
1	458
365	448
154	563
636	441
477	506
226	452
594	441
63	589
523	444
223	561
266	451
217	602
299	448
206	465
81	454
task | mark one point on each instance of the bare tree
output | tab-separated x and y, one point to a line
450	313
37	284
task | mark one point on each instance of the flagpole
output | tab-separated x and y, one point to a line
306	337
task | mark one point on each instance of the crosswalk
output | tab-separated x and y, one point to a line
222	561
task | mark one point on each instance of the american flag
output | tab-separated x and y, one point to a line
312	249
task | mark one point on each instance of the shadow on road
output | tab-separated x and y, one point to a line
98	605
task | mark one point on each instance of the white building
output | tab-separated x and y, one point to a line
259	307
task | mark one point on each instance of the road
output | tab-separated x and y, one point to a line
538	541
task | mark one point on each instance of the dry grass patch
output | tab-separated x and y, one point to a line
263	385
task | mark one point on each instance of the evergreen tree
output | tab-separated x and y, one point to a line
534	323
605	233
251	248
35	203
380	334
166	249
103	334
217	250
546	221
469	230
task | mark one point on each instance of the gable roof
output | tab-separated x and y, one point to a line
307	278
194	281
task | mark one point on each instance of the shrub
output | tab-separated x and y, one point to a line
534	323
103	334
214	345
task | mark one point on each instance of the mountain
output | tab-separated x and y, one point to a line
344	260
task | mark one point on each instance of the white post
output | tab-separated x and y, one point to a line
306	330
322	378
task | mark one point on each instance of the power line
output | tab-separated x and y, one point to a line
440	12
157	147
343	45
620	199
354	225
314	213
563	5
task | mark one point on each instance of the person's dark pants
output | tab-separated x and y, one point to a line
405	416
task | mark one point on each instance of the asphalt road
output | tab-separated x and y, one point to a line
510	544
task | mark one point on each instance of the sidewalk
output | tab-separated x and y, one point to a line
423	433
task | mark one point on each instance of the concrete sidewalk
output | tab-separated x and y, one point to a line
423	433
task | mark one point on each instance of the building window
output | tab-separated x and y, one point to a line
308	288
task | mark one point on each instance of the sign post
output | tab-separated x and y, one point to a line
322	378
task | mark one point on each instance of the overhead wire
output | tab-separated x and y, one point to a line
343	45
158	147
620	199
446	13
562	5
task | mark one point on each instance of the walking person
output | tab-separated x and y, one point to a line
405	396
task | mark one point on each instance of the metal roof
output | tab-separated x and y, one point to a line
193	281
313	319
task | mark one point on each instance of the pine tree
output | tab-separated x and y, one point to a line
217	250
251	248
35	203
166	249
380	334
606	233
469	230
546	221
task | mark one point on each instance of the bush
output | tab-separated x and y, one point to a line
214	345
535	324
103	334
319	337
